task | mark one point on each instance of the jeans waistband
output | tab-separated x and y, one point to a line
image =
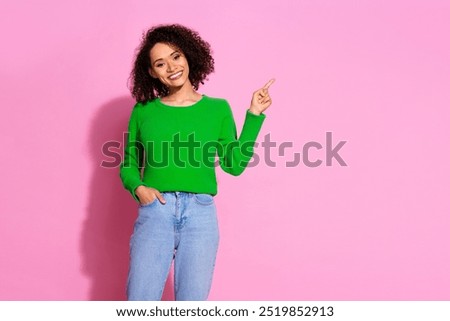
181	194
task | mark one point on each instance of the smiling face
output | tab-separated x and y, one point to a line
169	65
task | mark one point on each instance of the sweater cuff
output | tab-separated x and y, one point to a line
249	113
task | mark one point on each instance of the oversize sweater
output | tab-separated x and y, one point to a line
176	146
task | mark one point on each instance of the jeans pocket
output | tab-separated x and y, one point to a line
149	204
203	199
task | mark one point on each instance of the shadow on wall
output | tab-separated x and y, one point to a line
111	209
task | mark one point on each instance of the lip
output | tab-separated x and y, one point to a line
178	72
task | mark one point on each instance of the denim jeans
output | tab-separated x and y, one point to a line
184	229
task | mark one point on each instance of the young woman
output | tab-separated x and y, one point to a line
175	134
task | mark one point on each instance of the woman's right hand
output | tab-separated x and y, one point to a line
147	195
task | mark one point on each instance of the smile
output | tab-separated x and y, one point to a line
176	76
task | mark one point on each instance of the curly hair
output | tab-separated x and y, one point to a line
197	52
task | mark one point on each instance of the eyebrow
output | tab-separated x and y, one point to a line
176	51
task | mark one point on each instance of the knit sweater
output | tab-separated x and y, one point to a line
177	145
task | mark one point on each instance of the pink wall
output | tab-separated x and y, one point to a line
374	73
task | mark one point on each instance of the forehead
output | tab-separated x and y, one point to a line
162	50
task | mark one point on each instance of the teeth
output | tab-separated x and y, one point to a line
175	76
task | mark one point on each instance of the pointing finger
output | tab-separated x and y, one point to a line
271	81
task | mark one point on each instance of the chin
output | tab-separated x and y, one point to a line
181	82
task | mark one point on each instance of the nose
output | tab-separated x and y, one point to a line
169	67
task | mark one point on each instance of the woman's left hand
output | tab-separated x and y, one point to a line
261	99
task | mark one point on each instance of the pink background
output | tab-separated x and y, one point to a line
374	73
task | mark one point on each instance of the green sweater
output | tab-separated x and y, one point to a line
177	146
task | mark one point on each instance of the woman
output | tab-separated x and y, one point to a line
179	131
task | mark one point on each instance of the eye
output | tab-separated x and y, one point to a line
176	57
159	65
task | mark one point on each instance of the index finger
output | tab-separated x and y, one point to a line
271	81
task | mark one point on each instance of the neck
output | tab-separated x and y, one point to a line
181	93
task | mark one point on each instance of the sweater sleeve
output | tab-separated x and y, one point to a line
234	154
130	168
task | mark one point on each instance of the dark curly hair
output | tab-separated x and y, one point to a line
196	50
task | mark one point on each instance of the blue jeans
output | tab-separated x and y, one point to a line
185	229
